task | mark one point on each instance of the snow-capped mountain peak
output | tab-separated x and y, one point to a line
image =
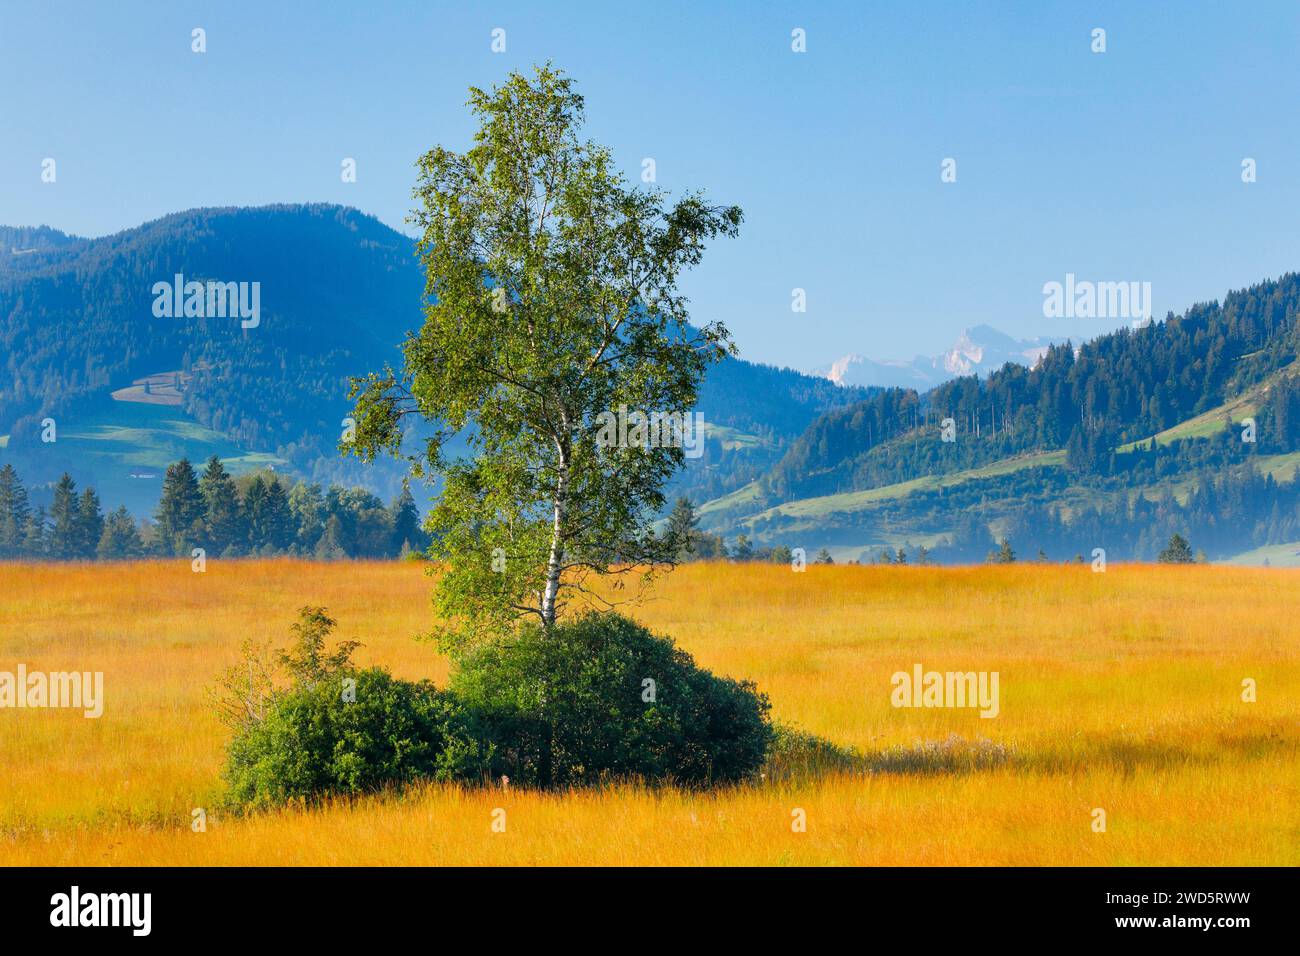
977	351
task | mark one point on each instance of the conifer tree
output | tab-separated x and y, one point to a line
180	509
65	526
14	512
90	525
221	518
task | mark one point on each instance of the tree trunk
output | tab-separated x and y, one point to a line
556	557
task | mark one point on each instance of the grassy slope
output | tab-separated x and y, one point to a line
804	516
1118	690
740	505
103	448
1214	421
855	500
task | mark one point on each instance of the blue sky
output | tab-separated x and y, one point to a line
1119	166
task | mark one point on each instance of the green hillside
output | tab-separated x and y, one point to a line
1106	487
1245	405
122	450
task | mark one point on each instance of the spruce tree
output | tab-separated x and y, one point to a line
277	518
682	524
14	512
330	547
180	510
255	514
221	519
405	518
36	535
121	539
64	518
1178	551
90	525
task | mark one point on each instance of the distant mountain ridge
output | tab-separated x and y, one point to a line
21	245
339	291
980	350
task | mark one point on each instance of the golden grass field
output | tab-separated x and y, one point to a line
1119	691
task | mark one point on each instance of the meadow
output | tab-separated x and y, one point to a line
1120	691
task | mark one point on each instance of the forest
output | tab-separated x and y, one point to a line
253	515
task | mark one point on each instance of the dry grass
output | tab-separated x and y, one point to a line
1119	690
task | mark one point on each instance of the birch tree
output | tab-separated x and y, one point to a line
551	303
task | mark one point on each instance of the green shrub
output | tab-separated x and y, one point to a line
329	737
576	706
596	698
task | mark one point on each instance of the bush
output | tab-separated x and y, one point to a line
597	698
329	737
576	706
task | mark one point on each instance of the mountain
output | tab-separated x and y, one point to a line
133	383
978	351
1189	425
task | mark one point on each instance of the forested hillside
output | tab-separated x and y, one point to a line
1121	437
338	289
1191	425
338	292
1123	387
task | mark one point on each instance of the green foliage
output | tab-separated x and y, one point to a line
576	706
15	513
551	300
307	661
89	524
63	516
1178	551
309	724
223	519
335	737
405	518
682	530
260	519
120	541
180	509
594	699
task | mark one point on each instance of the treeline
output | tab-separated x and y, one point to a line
253	515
